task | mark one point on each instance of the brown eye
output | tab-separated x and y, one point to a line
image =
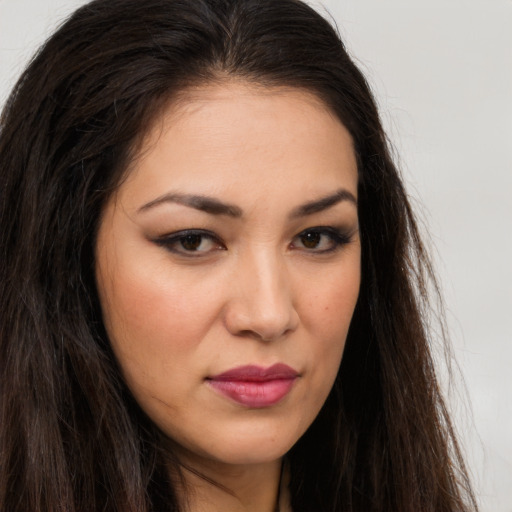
311	239
320	240
191	242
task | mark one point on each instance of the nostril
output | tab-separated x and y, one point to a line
268	337
252	323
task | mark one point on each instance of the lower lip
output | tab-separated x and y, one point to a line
254	394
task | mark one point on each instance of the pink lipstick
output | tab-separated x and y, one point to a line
254	386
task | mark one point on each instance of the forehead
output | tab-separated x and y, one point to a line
221	136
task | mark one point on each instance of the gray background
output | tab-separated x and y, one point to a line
442	72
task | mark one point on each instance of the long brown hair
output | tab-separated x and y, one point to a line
71	436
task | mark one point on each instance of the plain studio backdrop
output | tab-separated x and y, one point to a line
442	73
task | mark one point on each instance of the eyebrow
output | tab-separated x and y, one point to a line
323	203
202	203
215	207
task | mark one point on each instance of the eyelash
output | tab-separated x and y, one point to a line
337	239
170	242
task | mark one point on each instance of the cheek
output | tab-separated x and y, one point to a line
327	317
144	309
329	310
155	327
155	321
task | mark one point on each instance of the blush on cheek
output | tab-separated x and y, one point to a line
163	317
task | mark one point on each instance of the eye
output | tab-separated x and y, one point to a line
320	239
191	243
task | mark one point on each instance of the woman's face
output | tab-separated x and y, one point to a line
228	269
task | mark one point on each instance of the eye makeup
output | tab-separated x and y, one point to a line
194	243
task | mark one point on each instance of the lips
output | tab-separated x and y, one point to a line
253	386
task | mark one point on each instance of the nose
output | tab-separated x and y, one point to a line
261	303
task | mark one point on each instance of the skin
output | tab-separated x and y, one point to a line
258	291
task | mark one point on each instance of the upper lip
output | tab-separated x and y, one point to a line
254	373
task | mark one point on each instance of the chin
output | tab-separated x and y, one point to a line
239	448
251	453
255	447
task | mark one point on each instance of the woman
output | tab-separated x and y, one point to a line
213	288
